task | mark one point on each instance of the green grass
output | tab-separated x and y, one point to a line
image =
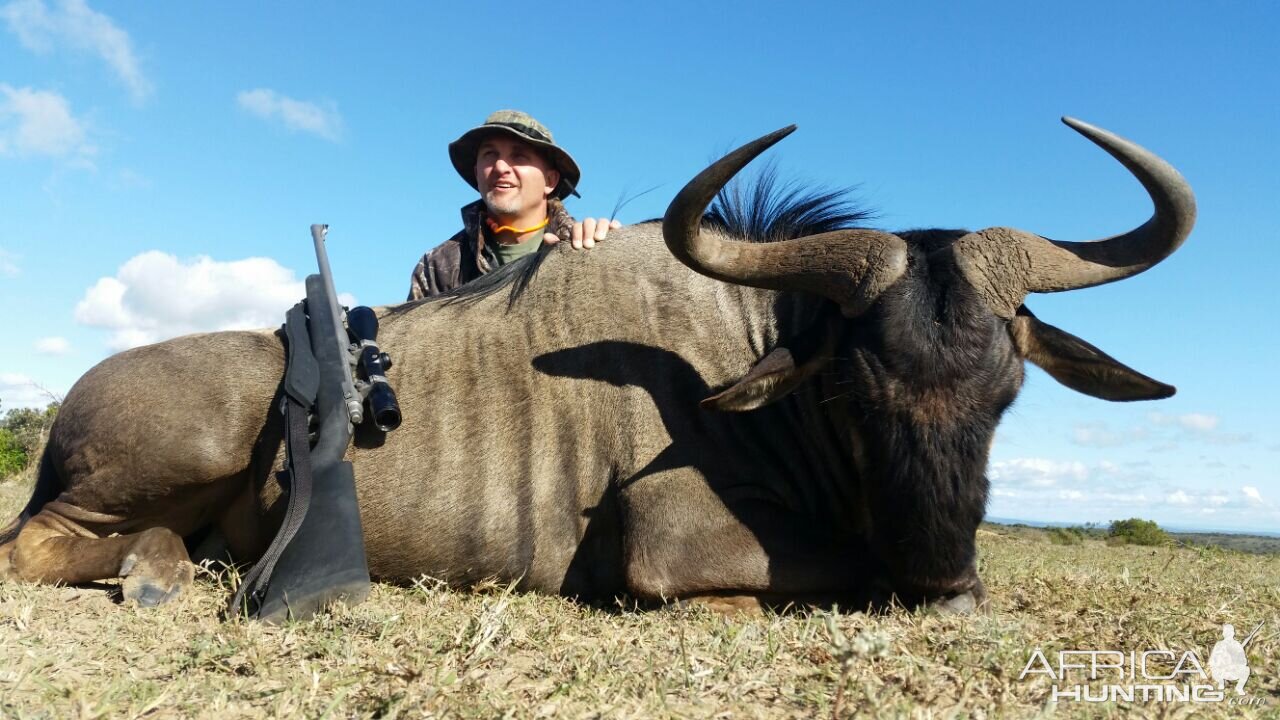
426	650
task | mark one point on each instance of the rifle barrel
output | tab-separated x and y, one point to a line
1253	634
355	409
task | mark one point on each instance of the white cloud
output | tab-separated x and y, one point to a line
321	119
1194	422
39	122
1201	422
1036	472
1221	438
17	390
1123	498
1193	499
1101	436
52	346
72	23
1198	422
1078	491
155	296
1201	427
8	261
1040	489
127	178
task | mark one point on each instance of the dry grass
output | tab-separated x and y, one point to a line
426	651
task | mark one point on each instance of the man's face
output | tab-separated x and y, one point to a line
513	178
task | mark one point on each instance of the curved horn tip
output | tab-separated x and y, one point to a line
1118	147
772	138
1073	123
1088	130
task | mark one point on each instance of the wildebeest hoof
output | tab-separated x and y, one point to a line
156	570
155	584
150	588
963	604
148	594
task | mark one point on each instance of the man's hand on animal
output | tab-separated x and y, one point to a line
586	232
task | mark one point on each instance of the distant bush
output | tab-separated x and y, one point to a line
1135	531
23	432
13	459
1066	536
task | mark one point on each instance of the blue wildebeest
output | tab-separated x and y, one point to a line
807	419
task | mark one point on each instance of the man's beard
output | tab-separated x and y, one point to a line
504	207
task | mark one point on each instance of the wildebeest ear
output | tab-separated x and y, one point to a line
1079	365
782	370
771	379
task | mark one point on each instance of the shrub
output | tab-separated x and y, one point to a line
1065	536
23	432
29	425
13	459
1135	531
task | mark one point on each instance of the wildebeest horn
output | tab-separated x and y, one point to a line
1004	264
851	267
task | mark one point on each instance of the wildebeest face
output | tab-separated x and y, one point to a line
919	383
923	378
925	351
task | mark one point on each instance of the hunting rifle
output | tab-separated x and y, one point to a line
332	370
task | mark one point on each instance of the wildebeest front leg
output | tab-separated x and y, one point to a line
52	548
683	540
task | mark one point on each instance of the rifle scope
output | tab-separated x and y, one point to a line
363	326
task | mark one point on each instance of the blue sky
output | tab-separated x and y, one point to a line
160	164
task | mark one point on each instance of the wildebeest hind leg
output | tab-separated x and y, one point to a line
53	548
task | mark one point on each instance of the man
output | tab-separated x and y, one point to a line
522	177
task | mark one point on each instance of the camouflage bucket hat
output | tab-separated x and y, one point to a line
522	127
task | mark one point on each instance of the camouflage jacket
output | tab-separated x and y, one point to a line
468	255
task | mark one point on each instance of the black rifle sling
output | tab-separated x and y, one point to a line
301	383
